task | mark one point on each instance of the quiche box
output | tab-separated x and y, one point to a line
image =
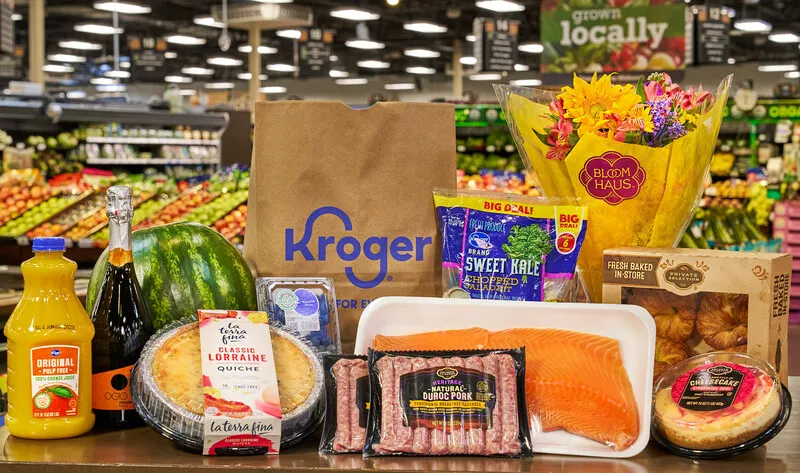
706	300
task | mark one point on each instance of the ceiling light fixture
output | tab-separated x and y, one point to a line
784	38
281	67
170	55
424	27
178	79
219	85
393	3
245	48
185	40
103	81
291	34
58	68
752	26
334	73
777	67
273	89
364	44
471	38
187	92
486	76
352	81
76	94
197	71
224	61
82	45
97	29
117	74
125	65
731	61
16	17
120	7
522	67
65	58
533	48
420	70
500	6
422	53
526	82
274	1
401	86
792	75
373	64
468	60
354	14
208	21
111	88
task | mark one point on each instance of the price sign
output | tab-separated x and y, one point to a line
713	26
315	52
496	44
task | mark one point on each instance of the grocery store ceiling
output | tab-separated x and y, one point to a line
177	16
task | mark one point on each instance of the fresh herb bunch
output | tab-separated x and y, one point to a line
528	243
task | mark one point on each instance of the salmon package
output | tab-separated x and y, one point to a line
509	247
347	404
448	403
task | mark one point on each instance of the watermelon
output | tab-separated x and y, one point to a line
183	267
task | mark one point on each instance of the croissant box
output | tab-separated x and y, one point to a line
706	300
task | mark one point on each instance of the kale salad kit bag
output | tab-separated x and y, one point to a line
346	194
497	246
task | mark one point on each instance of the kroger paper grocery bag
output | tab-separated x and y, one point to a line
347	194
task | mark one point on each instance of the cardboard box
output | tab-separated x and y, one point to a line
705	300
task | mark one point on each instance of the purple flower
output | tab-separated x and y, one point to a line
666	123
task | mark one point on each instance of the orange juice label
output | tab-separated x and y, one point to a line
54	380
111	390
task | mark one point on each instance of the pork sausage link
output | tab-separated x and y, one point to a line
344	403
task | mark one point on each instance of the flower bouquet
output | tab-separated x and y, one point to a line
637	156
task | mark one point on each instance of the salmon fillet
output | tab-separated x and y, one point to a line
470	338
576	382
573	381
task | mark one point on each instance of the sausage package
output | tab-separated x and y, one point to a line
448	403
347	404
509	247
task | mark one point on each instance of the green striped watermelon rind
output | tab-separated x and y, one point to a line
183	267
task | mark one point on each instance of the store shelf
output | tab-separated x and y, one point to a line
145	162
132	114
150	141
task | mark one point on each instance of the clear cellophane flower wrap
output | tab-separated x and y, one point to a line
638	195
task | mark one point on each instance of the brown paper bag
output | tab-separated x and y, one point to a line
347	194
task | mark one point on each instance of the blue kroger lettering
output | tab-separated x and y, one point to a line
350	248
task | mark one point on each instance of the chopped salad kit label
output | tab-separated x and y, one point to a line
497	248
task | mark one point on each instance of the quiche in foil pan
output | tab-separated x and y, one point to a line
167	385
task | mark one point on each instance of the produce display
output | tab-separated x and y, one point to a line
220	207
64	221
722	225
718	402
407	419
143	211
185	204
19	199
512	183
37	215
181	268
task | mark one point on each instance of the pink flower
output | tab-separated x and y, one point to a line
689	99
558	138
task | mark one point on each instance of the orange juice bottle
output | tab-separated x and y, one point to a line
49	350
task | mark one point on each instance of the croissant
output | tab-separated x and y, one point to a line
737	349
668	352
722	320
674	315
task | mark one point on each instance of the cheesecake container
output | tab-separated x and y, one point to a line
717	405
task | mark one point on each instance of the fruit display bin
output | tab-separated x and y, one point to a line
44	212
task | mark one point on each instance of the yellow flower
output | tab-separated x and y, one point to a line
591	104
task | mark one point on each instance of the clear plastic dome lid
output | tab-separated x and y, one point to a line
716	401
